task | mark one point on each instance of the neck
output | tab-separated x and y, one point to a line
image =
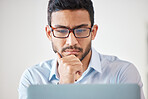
86	60
85	63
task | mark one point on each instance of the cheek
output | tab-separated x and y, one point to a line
84	43
58	43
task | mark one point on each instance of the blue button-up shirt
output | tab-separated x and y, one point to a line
102	69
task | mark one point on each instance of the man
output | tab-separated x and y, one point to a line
71	29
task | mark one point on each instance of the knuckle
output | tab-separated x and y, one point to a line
73	56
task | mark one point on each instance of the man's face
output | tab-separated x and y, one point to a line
71	45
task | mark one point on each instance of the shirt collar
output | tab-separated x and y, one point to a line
94	63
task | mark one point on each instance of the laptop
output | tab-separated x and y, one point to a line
84	91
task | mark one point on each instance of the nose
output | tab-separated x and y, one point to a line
71	40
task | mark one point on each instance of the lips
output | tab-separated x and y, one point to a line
72	51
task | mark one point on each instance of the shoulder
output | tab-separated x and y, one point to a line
34	75
45	65
113	61
125	71
36	72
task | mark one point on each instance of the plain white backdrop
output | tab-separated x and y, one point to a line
123	28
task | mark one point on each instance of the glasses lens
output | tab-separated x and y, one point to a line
61	32
82	32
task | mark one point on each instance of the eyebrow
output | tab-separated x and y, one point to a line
79	26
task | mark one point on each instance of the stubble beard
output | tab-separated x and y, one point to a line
88	48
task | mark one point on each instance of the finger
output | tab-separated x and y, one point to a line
77	68
79	73
75	63
58	56
70	58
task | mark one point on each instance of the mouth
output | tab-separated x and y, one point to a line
72	51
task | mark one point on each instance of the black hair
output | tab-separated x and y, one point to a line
57	5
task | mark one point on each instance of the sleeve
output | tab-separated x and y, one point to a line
25	81
131	75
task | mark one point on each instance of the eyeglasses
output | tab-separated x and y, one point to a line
64	32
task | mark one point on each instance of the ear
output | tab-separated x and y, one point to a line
48	32
94	31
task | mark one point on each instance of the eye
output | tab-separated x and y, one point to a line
81	30
61	30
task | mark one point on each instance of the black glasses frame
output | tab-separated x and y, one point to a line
70	30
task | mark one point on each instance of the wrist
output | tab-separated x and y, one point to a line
66	80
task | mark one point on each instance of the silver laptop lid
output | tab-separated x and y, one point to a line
84	91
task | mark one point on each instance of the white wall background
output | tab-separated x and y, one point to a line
123	28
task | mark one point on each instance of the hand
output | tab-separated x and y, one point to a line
68	67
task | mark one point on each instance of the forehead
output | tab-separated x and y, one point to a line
70	18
